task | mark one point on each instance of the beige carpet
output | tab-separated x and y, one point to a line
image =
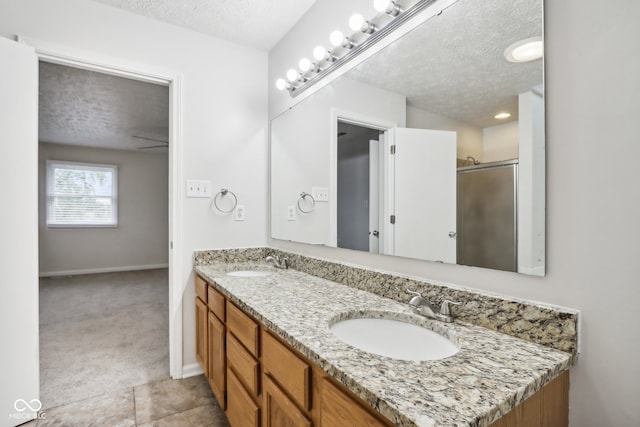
101	333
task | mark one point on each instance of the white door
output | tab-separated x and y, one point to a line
19	362
424	194
374	196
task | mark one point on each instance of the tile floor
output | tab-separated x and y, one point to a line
188	402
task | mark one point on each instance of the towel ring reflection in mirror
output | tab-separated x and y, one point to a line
302	198
221	194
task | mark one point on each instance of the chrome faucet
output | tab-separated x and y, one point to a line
276	262
424	307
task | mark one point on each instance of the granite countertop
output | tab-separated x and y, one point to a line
489	376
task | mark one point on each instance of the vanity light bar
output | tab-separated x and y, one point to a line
307	78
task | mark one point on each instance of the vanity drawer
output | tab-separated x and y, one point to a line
244	328
291	372
244	365
241	409
201	288
216	303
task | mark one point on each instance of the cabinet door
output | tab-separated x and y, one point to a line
278	409
241	409
201	334
339	409
216	372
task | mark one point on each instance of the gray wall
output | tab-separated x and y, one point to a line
593	216
141	238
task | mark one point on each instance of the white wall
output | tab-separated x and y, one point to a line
142	236
592	197
469	137
224	104
500	142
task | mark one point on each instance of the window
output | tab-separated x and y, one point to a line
81	195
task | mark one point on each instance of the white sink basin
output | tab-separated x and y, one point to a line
395	339
249	273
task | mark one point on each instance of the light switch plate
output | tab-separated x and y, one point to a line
198	188
320	194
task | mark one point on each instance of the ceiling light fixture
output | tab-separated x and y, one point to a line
502	116
525	50
327	61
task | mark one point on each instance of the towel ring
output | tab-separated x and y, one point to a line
303	196
223	192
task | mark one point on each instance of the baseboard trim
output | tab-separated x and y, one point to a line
102	270
191	370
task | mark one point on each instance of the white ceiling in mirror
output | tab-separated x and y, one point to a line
454	65
256	23
87	108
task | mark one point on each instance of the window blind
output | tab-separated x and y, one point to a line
81	195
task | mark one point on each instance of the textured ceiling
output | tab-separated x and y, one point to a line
80	107
256	23
454	64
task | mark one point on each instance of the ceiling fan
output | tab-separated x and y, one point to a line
164	143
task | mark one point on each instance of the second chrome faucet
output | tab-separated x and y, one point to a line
424	307
276	262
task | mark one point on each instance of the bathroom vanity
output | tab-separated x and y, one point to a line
265	344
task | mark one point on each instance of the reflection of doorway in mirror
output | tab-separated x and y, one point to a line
358	190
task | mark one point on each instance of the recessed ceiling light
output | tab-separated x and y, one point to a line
525	50
502	116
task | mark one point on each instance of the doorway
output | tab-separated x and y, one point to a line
103	232
358	181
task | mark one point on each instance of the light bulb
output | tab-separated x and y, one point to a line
319	53
381	5
387	6
281	84
356	22
292	75
501	116
336	38
304	64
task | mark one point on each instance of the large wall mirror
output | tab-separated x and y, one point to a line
433	148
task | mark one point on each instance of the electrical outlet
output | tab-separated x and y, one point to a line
291	213
239	213
198	188
320	194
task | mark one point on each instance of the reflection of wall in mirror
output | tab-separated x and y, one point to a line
491	144
300	152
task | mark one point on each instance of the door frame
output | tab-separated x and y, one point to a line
354	119
121	67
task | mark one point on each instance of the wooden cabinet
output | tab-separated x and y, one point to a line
289	370
547	408
217	370
244	365
244	328
242	411
339	409
216	302
278	409
201	334
291	391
